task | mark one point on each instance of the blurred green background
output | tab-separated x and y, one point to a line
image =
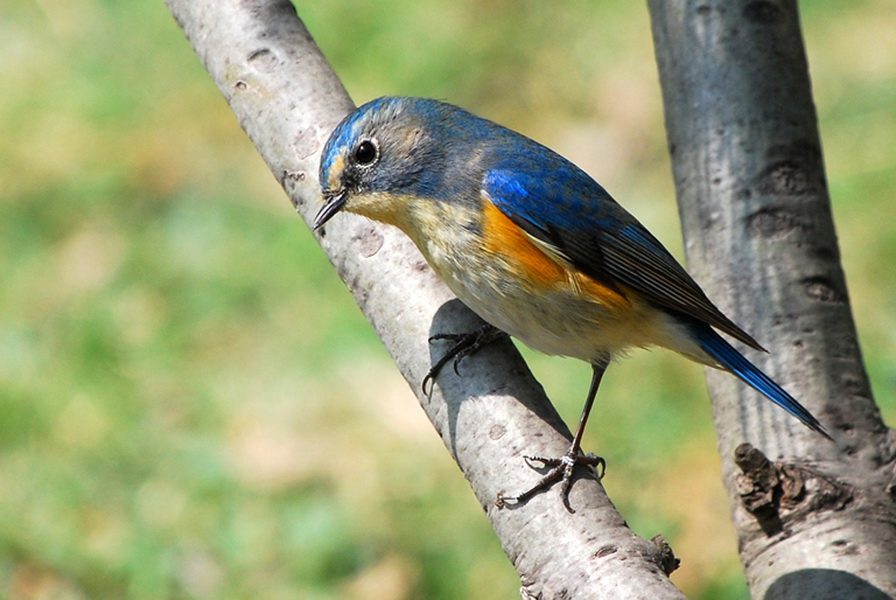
191	406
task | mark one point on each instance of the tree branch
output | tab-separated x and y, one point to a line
819	520
287	99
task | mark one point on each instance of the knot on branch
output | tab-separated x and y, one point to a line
668	561
777	491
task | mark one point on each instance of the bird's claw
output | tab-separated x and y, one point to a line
561	469
464	345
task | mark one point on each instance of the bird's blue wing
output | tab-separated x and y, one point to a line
559	204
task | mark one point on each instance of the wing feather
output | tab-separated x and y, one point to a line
570	213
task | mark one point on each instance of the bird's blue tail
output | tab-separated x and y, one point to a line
732	360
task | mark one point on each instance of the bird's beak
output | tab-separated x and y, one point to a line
335	200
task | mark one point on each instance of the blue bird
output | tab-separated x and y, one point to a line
530	243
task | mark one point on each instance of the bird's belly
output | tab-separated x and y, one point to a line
553	322
548	305
567	316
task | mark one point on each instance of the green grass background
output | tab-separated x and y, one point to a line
190	404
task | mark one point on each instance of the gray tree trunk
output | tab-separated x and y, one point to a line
288	100
815	519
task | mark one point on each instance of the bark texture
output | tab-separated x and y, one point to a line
815	519
288	99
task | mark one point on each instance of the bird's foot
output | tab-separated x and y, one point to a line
464	345
561	469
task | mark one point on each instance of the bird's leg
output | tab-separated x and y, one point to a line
561	469
464	345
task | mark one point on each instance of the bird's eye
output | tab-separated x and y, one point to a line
366	152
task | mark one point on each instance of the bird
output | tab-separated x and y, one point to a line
533	245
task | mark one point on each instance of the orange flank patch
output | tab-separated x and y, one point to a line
504	238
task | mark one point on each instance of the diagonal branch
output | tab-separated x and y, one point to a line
287	99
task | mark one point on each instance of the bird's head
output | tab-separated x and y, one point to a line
377	158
